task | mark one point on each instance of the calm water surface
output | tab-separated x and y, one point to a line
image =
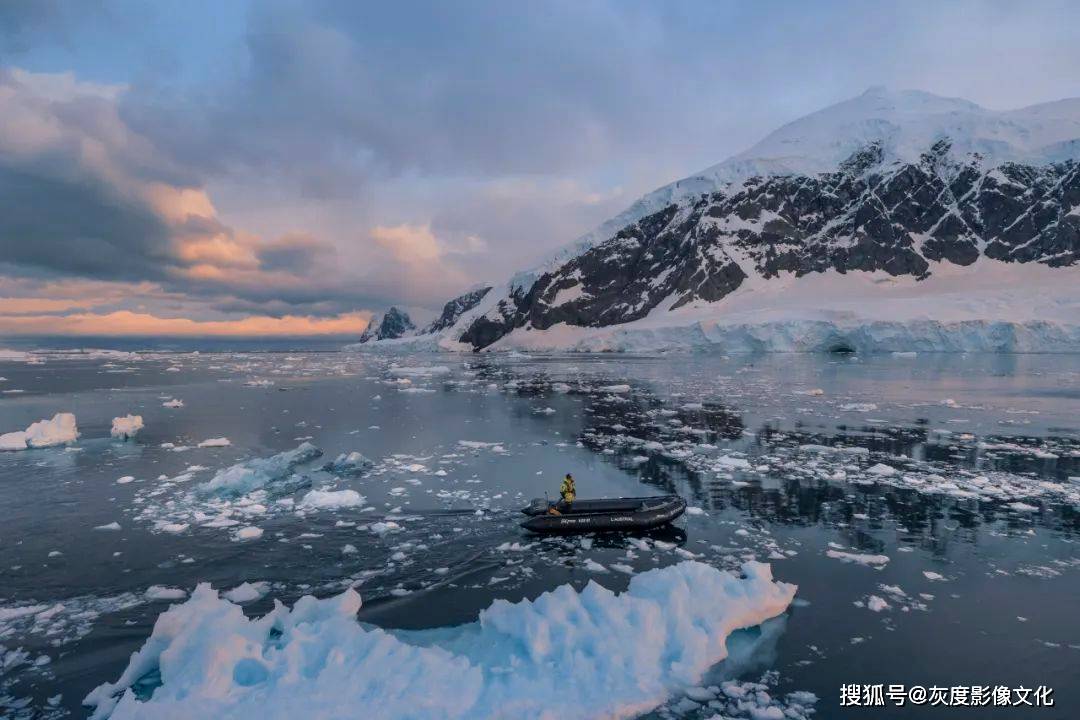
974	503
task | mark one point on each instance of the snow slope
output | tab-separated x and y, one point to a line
564	655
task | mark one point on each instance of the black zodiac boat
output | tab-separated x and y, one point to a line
616	514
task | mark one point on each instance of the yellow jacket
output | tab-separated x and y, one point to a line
567	490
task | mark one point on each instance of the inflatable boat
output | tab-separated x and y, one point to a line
616	514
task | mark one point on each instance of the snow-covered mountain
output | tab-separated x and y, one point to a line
891	221
905	123
396	328
391	325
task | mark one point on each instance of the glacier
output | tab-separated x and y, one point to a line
566	654
990	306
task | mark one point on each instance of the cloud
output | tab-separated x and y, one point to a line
34	305
82	195
411	244
286	158
124	323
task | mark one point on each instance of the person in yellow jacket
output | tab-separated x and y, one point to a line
567	493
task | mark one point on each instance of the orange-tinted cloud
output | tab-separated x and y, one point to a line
33	305
127	323
410	244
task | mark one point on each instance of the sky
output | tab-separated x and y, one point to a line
289	168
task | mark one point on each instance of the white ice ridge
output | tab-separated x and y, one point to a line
565	655
44	433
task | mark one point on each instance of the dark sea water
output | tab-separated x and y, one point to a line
962	470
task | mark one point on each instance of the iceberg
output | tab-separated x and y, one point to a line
126	427
61	430
566	654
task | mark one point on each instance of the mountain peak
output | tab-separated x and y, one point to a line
392	325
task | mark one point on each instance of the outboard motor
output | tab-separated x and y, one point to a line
538	506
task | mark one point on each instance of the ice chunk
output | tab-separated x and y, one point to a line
332	499
247	592
421	372
61	430
626	653
383	528
623	388
875	561
253	474
161	592
215	442
173	403
877	604
349	463
249	533
127	426
109	526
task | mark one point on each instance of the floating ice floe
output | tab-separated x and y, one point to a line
877	604
875	561
409	372
215	442
249	533
63	622
479	445
162	592
383	528
859	407
126	427
253	474
349	463
619	389
332	499
173	403
60	430
247	592
212	661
